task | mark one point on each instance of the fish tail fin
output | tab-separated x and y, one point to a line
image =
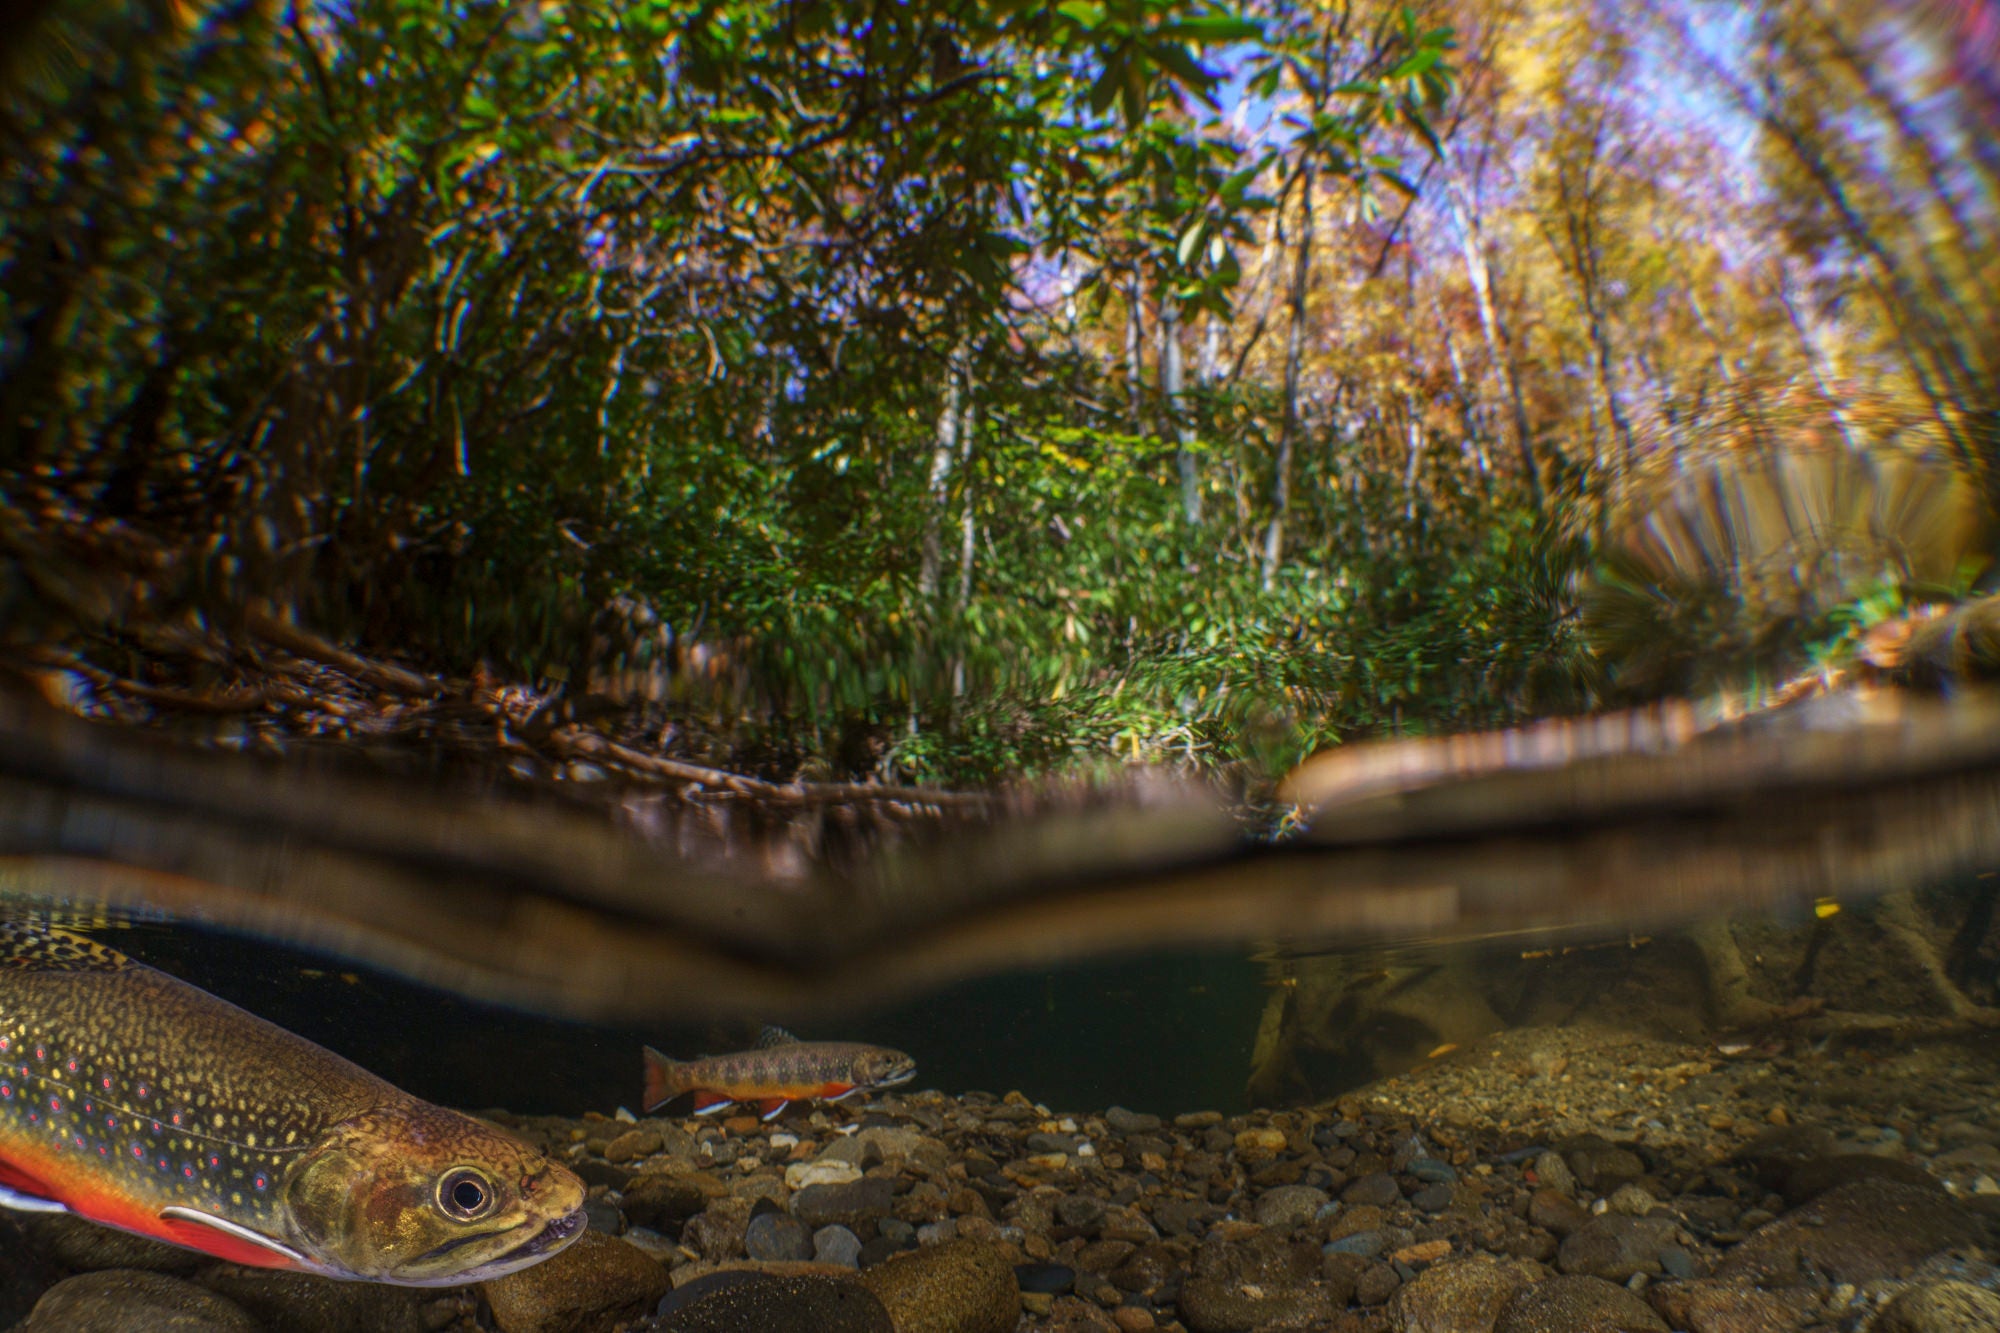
662	1079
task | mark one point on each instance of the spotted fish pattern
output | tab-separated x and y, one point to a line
781	1070
138	1101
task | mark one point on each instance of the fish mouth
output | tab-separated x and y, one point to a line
553	1236
557	1234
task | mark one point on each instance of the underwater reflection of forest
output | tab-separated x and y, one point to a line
1170	1033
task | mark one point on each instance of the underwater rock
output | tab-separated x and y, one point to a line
1261	1281
1858	1233
853	1205
1123	1121
303	1303
1458	1296
1554	1172
1149	1268
1081	1213
662	1197
1599	1164
772	1236
716	1233
126	1300
962	1286
837	1245
898	1146
1577	1305
85	1247
1772	1156
804	1175
1289	1206
1707	1306
632	1145
1378	1189
591	1285
24	1275
1048	1279
1939	1307
1814	1177
805	1304
1616	1247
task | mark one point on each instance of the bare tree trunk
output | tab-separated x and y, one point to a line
967	534
1295	339
1171	376
1499	348
1471	419
1135	365
1577	193
1415	432
943	453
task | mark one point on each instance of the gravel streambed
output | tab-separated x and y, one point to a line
1553	1180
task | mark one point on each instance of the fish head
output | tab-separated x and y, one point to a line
424	1197
880	1067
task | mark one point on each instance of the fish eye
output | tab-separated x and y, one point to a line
465	1194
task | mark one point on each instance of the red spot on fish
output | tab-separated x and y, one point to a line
72	1066
41	1054
7	1091
55	1103
106	1080
188	1171
5	1043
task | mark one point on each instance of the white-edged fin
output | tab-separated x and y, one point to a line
775	1111
843	1096
775	1036
713	1108
240	1232
29	1203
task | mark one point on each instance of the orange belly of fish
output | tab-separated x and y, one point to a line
73	1181
769	1098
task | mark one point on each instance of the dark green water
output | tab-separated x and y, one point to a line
1163	1033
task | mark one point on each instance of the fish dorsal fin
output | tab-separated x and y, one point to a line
222	1226
33	946
775	1036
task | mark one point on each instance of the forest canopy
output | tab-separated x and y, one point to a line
990	385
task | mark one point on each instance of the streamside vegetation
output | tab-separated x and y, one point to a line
932	392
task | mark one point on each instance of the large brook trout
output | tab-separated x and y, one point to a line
140	1102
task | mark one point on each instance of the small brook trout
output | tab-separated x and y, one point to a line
140	1102
781	1070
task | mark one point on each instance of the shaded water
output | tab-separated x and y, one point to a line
1165	1033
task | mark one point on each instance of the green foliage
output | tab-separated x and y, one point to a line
447	323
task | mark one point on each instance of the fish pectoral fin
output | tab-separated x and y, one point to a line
707	1103
236	1231
22	1201
773	1107
841	1095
